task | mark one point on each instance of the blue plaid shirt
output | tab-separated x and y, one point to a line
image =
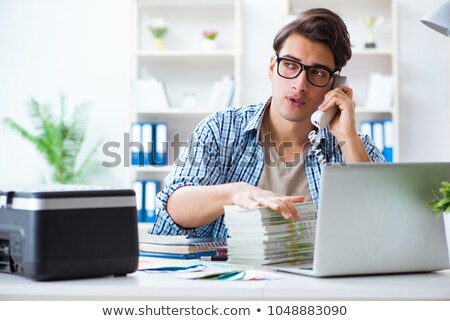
225	148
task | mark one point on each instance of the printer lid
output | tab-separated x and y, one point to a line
59	196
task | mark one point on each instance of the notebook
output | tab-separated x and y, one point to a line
181	246
373	219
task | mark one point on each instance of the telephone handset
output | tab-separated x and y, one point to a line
321	119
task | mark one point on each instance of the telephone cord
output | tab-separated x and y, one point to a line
314	139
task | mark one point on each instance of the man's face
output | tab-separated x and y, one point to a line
296	99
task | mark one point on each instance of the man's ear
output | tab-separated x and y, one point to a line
272	66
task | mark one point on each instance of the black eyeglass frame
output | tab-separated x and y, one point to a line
305	68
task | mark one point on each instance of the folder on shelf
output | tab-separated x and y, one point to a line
160	150
147	143
163	99
388	141
381	133
150	190
222	93
366	128
378	132
149	93
228	93
380	91
138	187
136	151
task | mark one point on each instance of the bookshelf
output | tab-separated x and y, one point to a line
365	62
186	70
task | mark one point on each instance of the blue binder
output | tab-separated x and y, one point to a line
136	138
151	189
147	143
388	141
160	150
366	128
380	132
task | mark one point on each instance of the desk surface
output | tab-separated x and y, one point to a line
146	286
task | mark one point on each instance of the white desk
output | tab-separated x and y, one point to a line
146	286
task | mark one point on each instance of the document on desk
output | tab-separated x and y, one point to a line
229	275
169	265
196	269
214	274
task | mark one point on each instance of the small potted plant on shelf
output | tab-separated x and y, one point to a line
441	207
159	29
209	39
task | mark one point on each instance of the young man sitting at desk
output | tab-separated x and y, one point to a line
256	155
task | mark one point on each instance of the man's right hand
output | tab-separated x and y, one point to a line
249	196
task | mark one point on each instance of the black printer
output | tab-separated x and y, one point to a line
53	232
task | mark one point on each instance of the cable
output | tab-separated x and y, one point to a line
314	139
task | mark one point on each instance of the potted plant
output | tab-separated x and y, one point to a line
441	207
159	29
209	39
58	140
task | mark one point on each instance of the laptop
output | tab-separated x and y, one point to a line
373	219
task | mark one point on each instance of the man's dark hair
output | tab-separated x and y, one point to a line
319	25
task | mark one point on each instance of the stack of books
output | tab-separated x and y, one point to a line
262	236
182	247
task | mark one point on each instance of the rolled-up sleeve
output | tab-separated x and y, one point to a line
372	150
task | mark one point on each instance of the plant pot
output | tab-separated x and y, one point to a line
158	43
446	217
209	44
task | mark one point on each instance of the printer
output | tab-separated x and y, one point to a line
54	232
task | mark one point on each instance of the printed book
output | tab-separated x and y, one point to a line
262	236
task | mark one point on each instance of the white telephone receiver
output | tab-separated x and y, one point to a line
321	119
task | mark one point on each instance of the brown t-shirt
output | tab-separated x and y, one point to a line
277	176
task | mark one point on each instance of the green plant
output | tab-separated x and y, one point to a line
441	203
158	28
210	34
58	140
159	32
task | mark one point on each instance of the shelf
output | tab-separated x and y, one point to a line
366	110
174	111
184	66
184	53
178	3
371	52
152	169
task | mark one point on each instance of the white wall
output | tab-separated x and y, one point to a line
424	86
81	48
262	19
78	47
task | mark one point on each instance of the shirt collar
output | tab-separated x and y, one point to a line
255	121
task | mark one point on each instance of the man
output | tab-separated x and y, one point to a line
260	155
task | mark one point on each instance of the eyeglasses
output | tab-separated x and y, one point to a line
317	76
